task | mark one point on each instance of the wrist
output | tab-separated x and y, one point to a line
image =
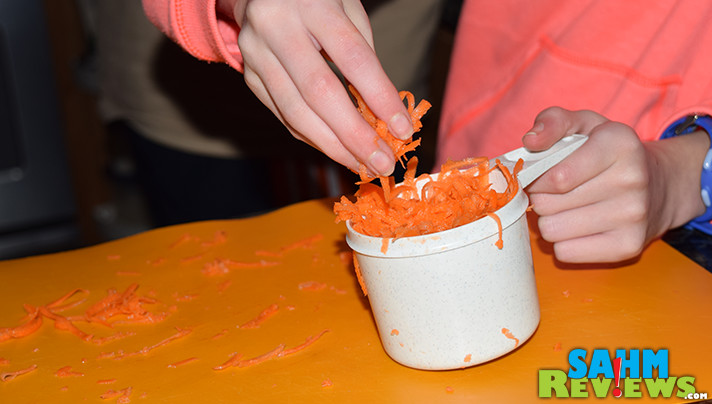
692	134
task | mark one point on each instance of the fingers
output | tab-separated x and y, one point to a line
594	205
300	87
307	126
349	48
589	161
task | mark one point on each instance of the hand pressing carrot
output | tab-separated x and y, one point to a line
285	46
611	197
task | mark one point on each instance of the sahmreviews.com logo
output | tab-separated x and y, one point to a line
630	374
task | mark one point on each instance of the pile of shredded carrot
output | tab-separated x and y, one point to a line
460	194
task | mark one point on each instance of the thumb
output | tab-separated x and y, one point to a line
555	123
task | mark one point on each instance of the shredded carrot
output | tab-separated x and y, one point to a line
279	352
449	390
306	243
359	276
121	396
222	266
127	304
395	332
312	286
220	237
113	337
310	340
234	359
7	376
183	362
106	381
499	242
398	147
243	363
327	383
557	347
184	297
384	244
261	318
511	336
120	354
461	194
57	307
468	358
182	240
182	332
220	334
337	290
193	258
4	361
222	286
157	262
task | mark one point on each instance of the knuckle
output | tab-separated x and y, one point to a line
561	177
629	246
319	86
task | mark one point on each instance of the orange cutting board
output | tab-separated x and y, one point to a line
209	278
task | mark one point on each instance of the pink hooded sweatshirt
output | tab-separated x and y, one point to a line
641	62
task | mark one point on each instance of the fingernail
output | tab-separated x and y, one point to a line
380	163
401	126
538	127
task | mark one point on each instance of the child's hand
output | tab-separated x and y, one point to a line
612	196
284	44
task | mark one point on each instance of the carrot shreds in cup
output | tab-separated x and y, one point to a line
460	194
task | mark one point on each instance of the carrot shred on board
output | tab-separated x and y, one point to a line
236	360
220	237
222	266
66	371
312	286
4	361
220	334
120	354
121	396
7	376
127	304
511	336
327	383
106	381
261	318
279	352
310	340
306	243
222	286
468	358
182	362
395	332
461	194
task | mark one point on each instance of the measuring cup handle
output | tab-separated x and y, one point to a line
537	163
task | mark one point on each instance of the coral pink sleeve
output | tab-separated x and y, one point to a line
196	26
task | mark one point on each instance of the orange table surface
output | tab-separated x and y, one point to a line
662	301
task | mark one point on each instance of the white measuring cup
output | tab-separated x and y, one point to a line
453	299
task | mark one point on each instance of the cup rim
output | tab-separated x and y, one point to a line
413	246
